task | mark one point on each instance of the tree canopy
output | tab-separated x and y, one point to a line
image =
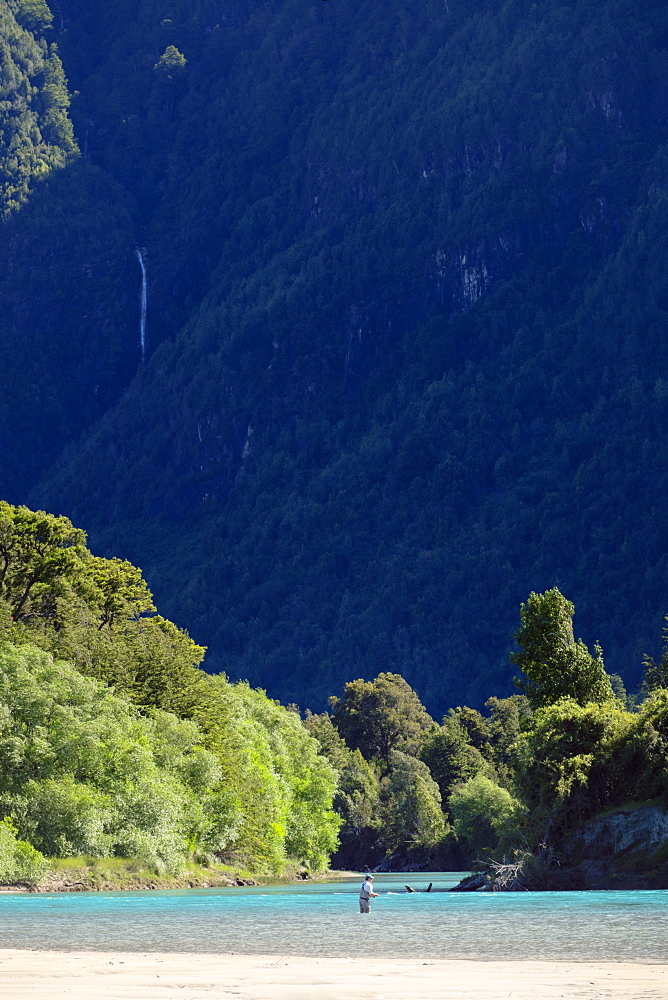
214	769
554	665
37	134
379	716
114	742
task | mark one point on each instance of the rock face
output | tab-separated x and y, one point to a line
628	830
626	849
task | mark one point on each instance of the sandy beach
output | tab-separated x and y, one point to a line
41	975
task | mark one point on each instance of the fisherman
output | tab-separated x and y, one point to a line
367	893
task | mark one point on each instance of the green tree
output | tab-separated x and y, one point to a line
331	743
476	727
564	773
637	760
37	135
39	556
82	772
450	757
171	62
656	674
357	797
357	802
274	772
554	665
508	717
97	613
31	14
123	593
170	73
311	826
484	813
376	717
412	812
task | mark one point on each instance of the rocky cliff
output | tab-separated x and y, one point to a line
624	849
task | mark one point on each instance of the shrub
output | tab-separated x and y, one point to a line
19	861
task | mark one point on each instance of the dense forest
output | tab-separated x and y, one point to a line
534	792
115	744
406	314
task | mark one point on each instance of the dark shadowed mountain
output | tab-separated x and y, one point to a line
407	325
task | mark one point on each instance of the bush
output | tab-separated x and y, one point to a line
484	813
65	818
19	861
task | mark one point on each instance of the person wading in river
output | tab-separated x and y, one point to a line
366	894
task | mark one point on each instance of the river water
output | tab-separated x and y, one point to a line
322	918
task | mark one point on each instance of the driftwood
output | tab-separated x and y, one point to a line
408	888
508	876
498	876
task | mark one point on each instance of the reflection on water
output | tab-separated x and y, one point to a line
322	918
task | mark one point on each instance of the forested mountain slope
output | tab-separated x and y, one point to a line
65	315
407	316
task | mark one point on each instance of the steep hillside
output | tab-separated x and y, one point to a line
37	135
406	327
68	286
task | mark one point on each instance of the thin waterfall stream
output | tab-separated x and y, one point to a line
144	301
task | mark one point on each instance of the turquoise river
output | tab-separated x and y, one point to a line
322	918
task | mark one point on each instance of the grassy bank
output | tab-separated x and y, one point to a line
85	874
106	874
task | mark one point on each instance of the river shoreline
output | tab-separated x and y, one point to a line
89	879
42	975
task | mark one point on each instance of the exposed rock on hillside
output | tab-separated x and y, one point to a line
625	849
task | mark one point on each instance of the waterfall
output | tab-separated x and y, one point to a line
142	322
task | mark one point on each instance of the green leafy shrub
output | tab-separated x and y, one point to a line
19	861
484	813
82	772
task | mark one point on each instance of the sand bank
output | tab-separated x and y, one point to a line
39	975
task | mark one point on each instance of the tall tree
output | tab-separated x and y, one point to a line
553	663
450	757
357	796
379	716
39	555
